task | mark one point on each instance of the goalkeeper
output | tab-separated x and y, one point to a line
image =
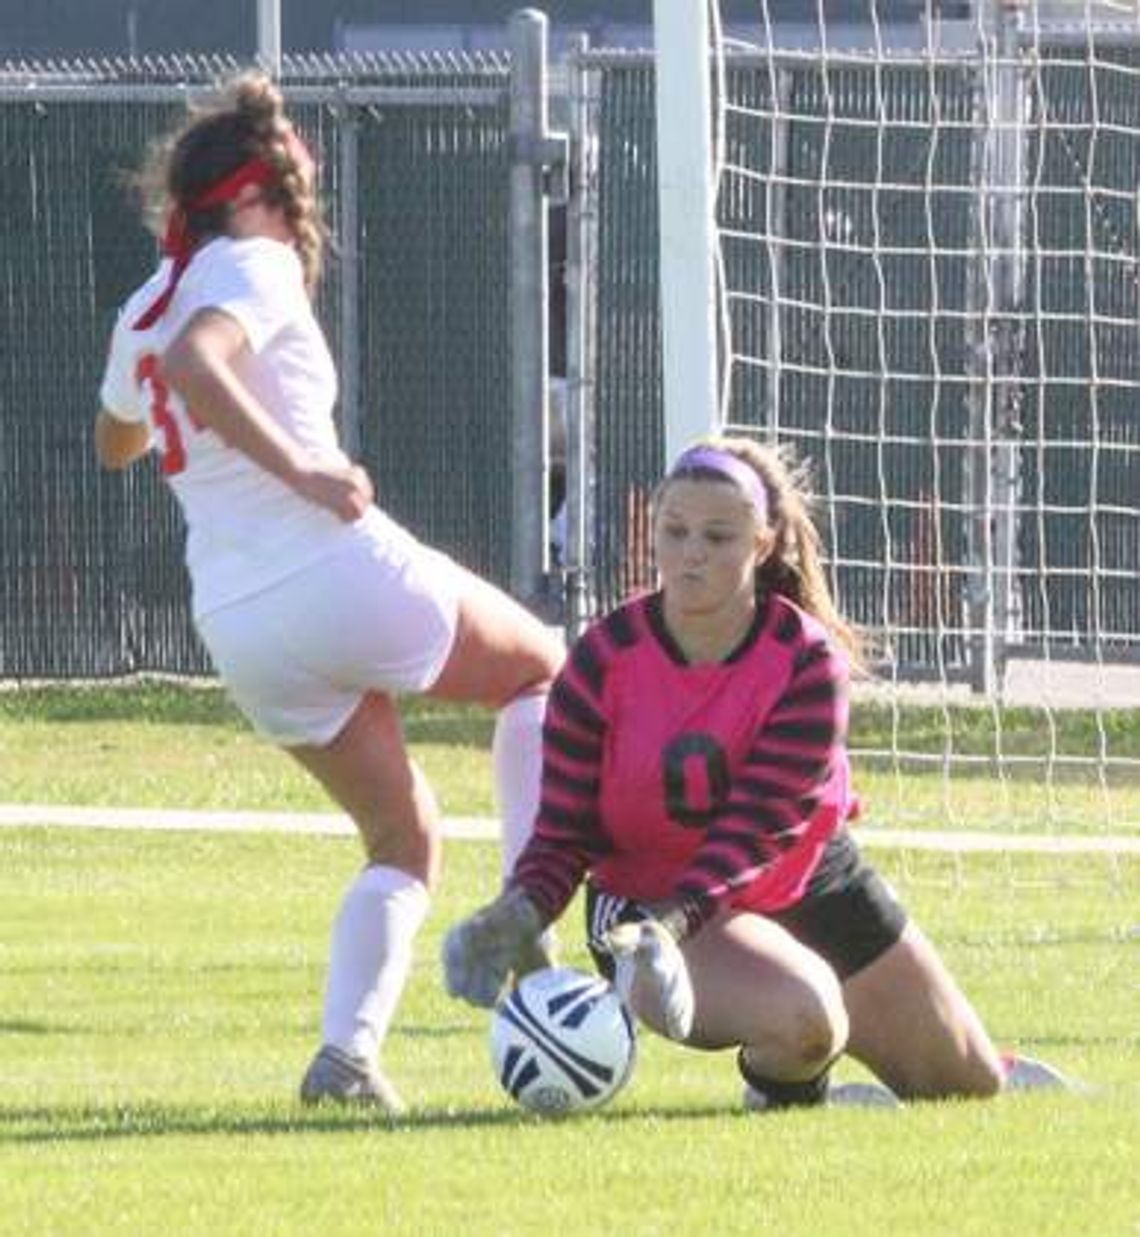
696	777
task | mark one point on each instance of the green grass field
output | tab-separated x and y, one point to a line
159	998
161	745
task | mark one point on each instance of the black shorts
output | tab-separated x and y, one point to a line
848	915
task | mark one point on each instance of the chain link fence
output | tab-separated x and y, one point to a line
417	155
414	158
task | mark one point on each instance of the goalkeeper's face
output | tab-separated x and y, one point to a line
708	545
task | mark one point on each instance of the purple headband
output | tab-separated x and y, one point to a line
728	465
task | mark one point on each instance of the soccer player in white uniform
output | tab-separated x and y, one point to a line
316	607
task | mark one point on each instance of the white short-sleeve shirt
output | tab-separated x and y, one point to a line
246	529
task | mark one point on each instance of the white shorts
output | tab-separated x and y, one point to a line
298	657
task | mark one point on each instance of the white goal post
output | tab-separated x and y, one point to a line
686	178
910	250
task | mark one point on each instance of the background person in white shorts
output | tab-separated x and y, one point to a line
315	606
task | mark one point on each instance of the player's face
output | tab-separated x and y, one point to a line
708	545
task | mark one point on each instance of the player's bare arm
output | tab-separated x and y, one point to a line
119	443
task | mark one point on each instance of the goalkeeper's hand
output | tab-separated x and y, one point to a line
651	977
482	952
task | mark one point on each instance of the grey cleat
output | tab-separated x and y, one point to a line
839	1095
336	1077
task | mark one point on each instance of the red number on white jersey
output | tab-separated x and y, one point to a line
148	373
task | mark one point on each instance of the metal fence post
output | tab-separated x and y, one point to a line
581	215
351	413
269	36
535	152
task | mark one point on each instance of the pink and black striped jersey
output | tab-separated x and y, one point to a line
718	783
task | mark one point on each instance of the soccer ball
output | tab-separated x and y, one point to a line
562	1042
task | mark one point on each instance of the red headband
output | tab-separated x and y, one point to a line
179	245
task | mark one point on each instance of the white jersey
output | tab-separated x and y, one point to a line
246	529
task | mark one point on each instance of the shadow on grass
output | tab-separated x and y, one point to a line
1111	937
96	1123
437	1030
205	703
1043	1044
198	703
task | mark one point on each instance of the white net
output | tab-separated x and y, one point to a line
928	235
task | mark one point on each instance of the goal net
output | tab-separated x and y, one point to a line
924	237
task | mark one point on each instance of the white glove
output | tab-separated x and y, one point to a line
481	953
651	977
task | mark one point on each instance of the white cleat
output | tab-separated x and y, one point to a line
336	1077
1028	1074
861	1095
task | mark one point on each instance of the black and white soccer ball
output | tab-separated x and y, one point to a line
562	1042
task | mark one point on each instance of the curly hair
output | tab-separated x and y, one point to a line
246	121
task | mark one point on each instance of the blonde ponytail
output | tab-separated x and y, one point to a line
794	568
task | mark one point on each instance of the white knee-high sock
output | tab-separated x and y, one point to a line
370	957
516	762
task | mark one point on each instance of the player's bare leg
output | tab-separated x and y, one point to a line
757	987
501	651
367	771
914	1028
